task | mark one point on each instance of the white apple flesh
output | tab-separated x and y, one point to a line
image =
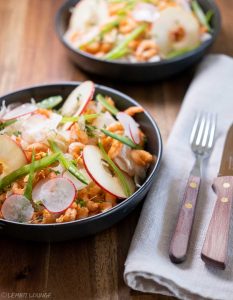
12	155
99	172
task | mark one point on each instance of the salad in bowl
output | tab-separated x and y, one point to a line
62	161
137	31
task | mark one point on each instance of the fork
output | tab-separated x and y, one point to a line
201	141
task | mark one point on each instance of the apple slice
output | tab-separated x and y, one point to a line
56	194
98	170
130	126
19	111
17	208
12	155
77	183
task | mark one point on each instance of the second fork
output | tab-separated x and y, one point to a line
201	140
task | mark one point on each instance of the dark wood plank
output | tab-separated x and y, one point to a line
90	268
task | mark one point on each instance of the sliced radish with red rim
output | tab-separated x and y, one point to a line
19	111
56	194
78	100
17	208
130	126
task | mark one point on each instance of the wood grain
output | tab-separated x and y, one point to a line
90	268
180	240
215	247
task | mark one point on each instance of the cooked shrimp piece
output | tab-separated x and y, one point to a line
92	48
115	149
48	217
92	206
146	50
43	112
104	206
82	212
127	25
69	215
132	110
78	135
17	188
40	150
115	127
141	157
75	149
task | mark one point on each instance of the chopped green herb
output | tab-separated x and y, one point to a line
17	133
81	202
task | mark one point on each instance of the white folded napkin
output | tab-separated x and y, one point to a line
148	267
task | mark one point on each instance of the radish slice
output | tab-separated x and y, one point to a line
130	126
145	12
103	120
77	183
20	111
17	208
99	172
56	194
78	99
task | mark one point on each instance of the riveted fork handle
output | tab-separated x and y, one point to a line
214	251
180	240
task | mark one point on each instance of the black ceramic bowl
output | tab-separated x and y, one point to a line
91	225
135	71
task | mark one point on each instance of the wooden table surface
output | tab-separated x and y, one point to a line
90	268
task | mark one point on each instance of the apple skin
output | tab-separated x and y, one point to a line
118	190
11	155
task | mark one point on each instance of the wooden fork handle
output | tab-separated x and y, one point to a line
180	240
215	247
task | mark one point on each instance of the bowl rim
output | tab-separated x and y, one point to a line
67	5
125	202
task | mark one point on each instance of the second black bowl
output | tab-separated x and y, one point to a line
135	71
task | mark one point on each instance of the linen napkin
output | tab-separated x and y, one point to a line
148	267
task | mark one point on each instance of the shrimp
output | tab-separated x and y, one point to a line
43	112
69	215
127	25
75	149
17	188
78	135
116	126
40	150
115	149
48	217
146	50
141	157
132	110
92	48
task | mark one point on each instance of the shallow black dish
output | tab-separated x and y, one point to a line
91	225
135	71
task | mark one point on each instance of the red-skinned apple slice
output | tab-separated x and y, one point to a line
12	155
19	111
130	126
56	194
98	171
77	101
17	208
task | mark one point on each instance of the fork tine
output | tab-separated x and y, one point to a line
196	126
206	131
212	131
201	129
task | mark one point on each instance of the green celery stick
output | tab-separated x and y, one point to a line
68	165
28	189
112	109
50	102
122	139
38	165
118	51
200	14
117	171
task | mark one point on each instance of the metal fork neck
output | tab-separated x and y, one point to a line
197	168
